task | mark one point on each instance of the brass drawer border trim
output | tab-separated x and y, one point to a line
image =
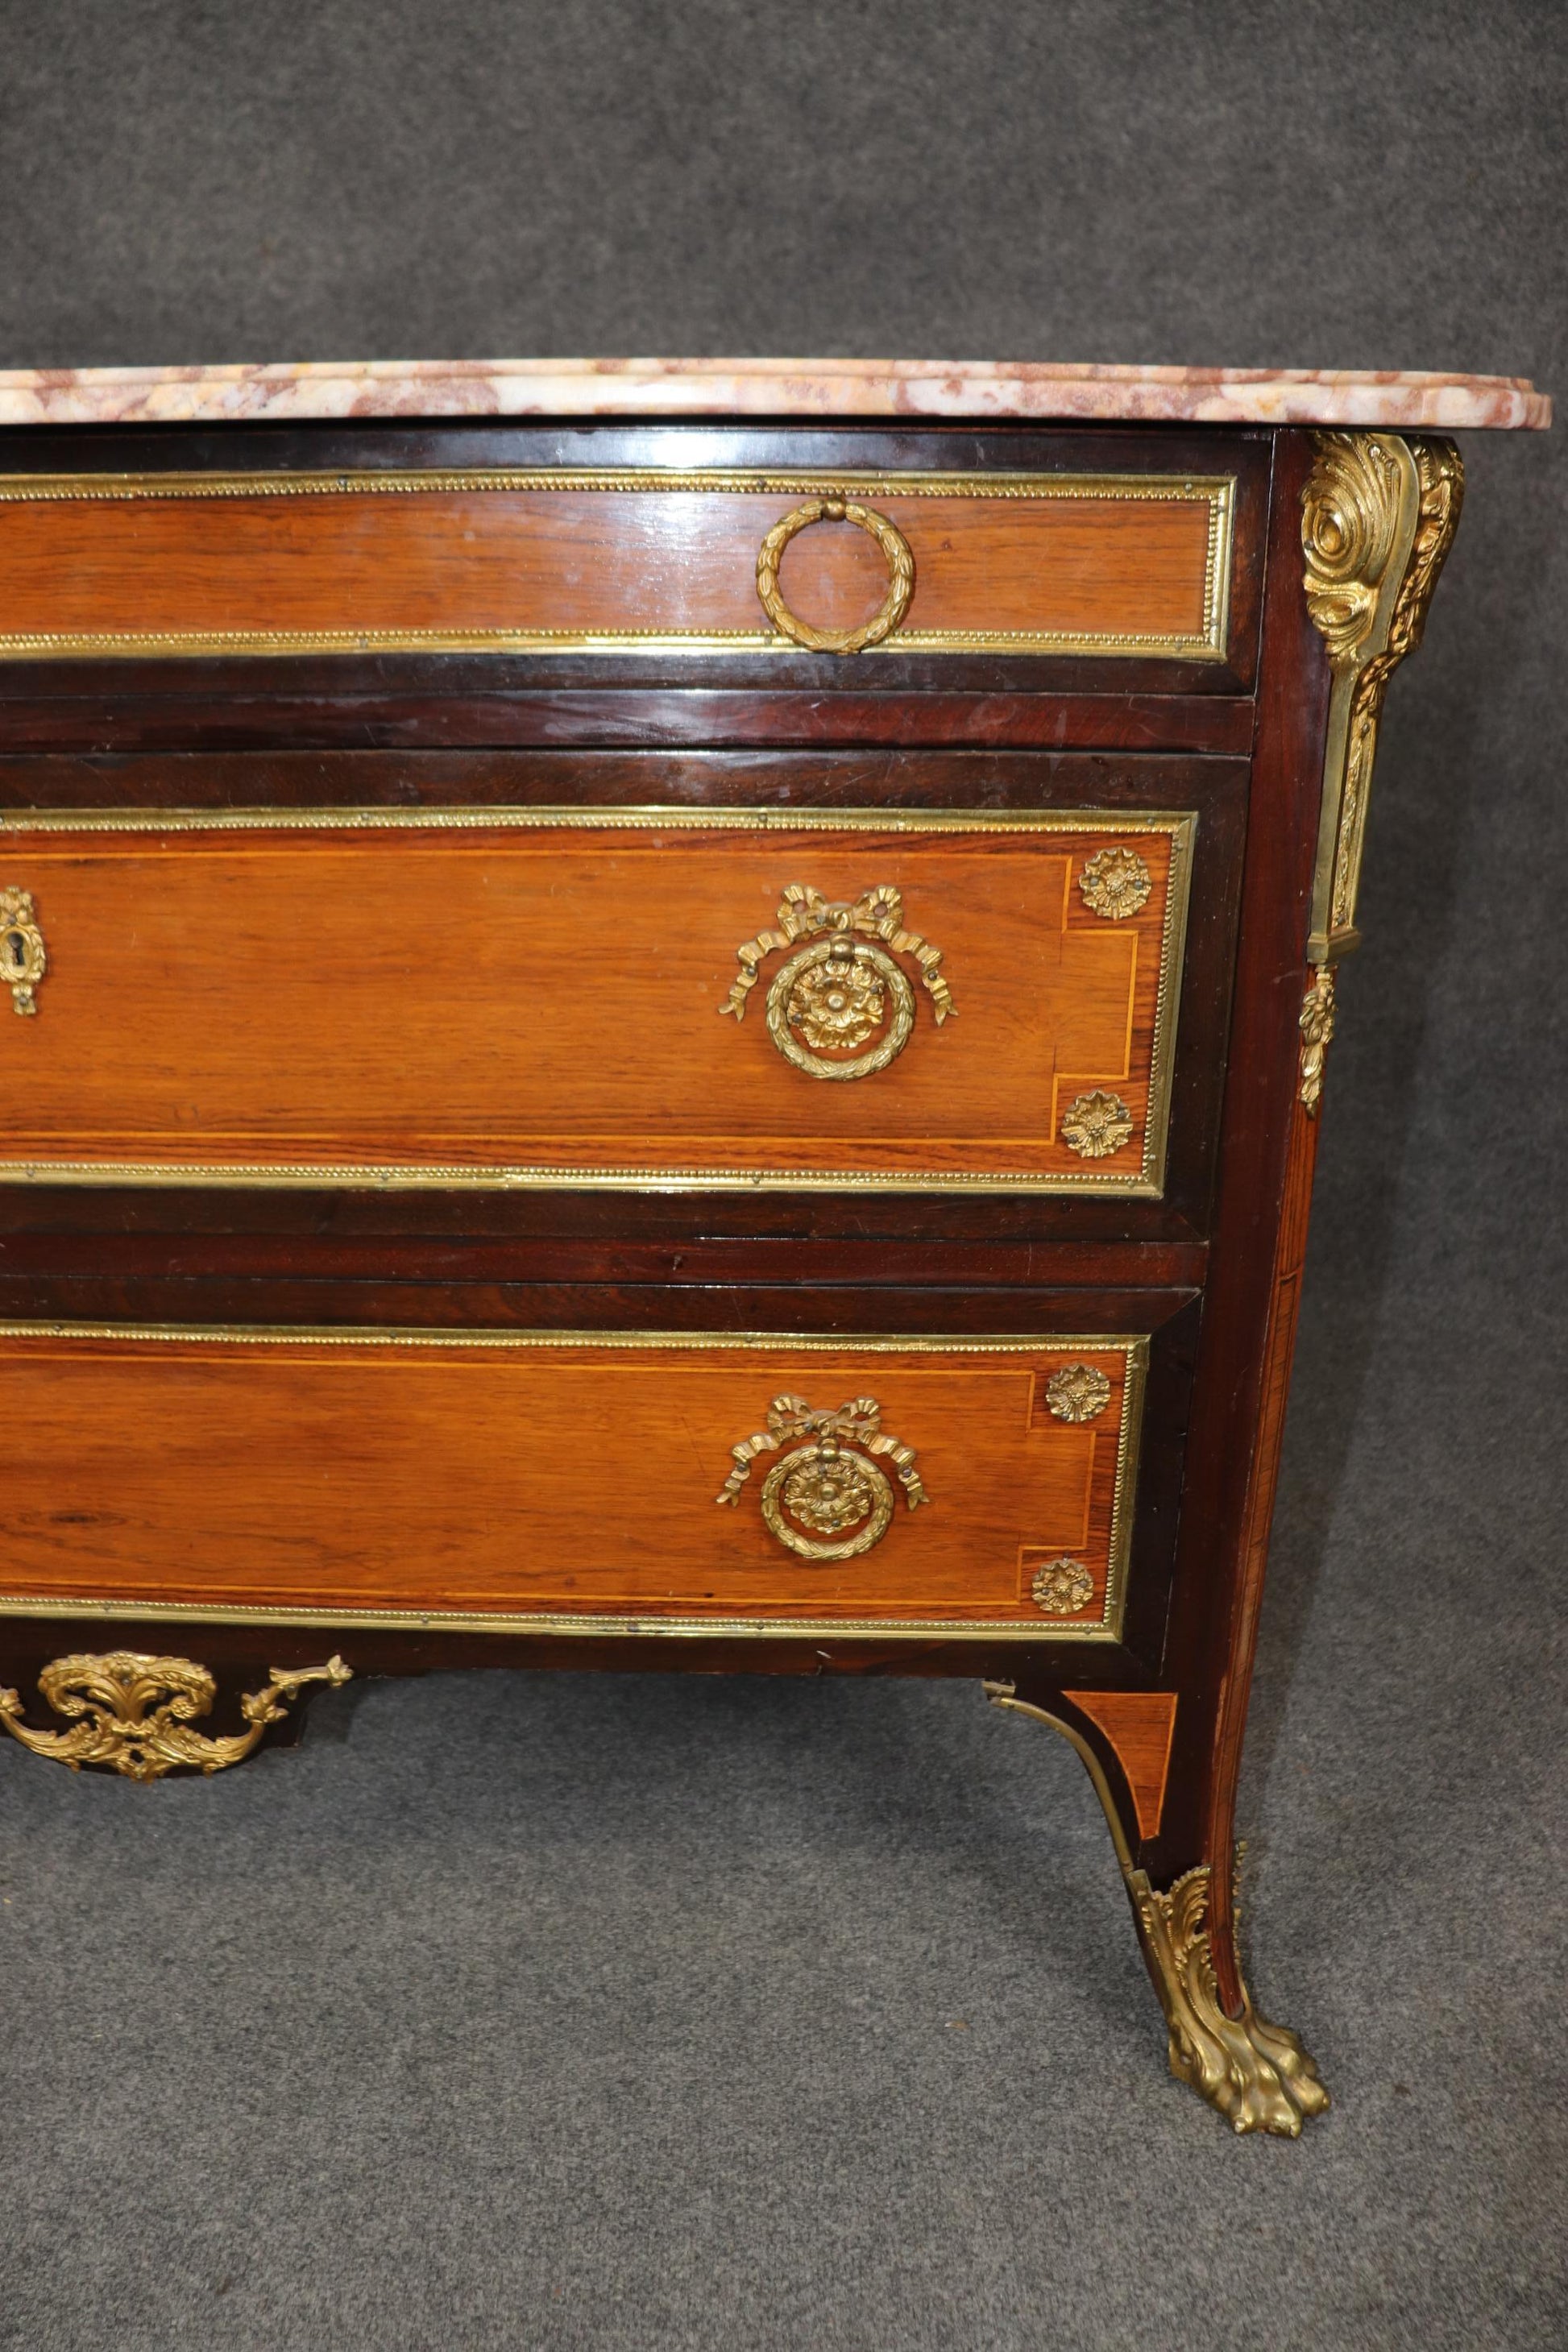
1132	1346
1217	493
1179	825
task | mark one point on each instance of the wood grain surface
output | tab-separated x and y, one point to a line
221	730
1140	1725
575	1478
222	710
550	996
1100	572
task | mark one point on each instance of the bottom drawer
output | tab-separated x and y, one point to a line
575	1482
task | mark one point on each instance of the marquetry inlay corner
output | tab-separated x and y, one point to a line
1378	518
133	1713
1257	2075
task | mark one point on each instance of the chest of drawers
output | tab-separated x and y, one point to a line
678	1018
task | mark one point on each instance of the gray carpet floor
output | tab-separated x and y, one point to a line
560	2012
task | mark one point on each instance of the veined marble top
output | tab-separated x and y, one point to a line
789	388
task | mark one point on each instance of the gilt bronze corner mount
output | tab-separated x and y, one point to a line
1378	518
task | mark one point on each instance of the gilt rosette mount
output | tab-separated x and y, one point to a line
840	1006
1096	1124
1077	1393
828	1497
1062	1588
1115	882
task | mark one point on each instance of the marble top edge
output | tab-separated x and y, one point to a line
980	390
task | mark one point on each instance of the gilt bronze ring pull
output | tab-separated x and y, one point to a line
901	576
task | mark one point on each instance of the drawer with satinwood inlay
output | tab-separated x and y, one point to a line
590	1481
624	562
944	998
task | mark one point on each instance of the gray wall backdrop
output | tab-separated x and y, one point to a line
569	2011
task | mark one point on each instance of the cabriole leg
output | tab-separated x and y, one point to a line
1257	2075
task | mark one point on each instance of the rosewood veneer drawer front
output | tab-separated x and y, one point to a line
584	560
576	1482
916	999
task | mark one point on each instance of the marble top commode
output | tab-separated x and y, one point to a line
440	1001
773	387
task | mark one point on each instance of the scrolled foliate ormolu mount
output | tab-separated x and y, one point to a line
1317	1027
841	991
1259	2075
133	1713
901	576
1378	518
827	1499
22	960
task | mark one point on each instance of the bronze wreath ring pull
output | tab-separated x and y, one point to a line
827	1499
901	576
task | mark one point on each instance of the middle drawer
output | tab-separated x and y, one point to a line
914	999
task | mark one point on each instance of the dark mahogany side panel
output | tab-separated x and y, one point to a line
1218	1569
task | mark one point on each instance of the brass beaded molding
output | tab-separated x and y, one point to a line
1217	494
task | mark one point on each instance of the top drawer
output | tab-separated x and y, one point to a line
633	562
